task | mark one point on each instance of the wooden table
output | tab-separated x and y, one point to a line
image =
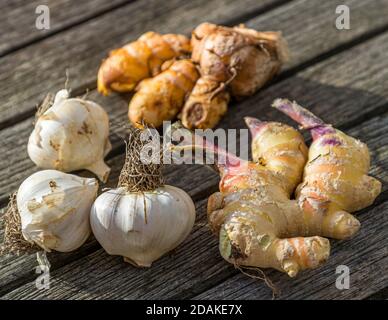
341	75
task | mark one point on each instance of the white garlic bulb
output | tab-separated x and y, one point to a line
71	135
54	208
142	226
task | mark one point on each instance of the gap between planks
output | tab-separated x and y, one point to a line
66	26
288	73
252	8
256	22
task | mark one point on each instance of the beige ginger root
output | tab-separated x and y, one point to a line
235	60
336	181
141	59
258	224
162	97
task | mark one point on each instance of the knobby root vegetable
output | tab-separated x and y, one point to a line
257	223
236	60
160	98
142	219
141	59
336	181
207	103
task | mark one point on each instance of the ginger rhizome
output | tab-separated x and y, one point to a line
336	181
252	214
160	98
257	222
141	59
236	61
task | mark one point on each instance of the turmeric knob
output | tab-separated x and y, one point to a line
243	58
207	103
162	97
143	58
236	61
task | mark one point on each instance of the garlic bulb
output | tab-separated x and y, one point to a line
54	208
142	226
71	135
142	219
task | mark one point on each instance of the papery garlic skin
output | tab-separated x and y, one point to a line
72	134
142	226
54	208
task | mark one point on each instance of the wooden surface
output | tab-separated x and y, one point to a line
341	75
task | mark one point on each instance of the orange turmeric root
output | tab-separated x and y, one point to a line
206	104
141	59
162	97
236	60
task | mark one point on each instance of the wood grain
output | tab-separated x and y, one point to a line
16	270
19	30
309	26
27	75
346	89
198	265
81	49
335	89
366	256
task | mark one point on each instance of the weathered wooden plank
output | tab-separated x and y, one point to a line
366	253
198	266
366	256
19	27
331	82
294	87
341	89
26	75
103	268
309	26
18	270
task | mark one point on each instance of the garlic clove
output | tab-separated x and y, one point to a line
54	209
